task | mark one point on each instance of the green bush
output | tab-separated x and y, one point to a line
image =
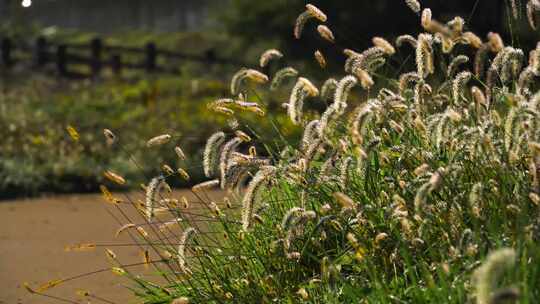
39	156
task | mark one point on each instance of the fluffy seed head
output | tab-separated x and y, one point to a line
238	79
426	18
181	300
326	33
256	76
344	200
296	102
242	135
487	275
300	23
252	191
167	169
158	140
183	174
365	79
406	39
114	177
320	59
225	156
343	88
532	8
478	96
223	110
179	153
328	89
152	191
303	294
281	75
309	87
316	12
495	42
211	150
184	240
384	44
472	39
424	55
109	136
456	62
459	83
205	185
414	5
269	55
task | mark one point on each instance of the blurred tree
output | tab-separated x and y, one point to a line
355	22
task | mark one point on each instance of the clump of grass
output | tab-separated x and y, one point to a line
397	192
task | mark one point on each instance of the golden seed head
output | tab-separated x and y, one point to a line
380	237
181	300
49	285
158	140
256	76
269	55
426	18
114	177
473	39
384	44
495	42
316	12
185	203
179	153
326	33
310	88
109	136
73	133
242	135
28	288
223	110
80	247
320	59
118	271
142	232
167	169
183	173
303	293
108	195
110	254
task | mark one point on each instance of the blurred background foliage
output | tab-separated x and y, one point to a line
38	156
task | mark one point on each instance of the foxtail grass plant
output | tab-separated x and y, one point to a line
417	188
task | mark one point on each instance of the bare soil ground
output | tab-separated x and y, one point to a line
33	236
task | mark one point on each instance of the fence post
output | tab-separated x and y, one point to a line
151	56
210	55
61	59
116	64
40	52
6	48
96	47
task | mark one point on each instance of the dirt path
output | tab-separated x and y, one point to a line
33	235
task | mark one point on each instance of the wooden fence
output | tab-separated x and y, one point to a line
98	56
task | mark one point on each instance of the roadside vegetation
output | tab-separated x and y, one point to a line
415	183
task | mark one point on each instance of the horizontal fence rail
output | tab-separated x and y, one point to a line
99	56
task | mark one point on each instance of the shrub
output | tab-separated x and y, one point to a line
396	192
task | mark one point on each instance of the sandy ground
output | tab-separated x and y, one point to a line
33	235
